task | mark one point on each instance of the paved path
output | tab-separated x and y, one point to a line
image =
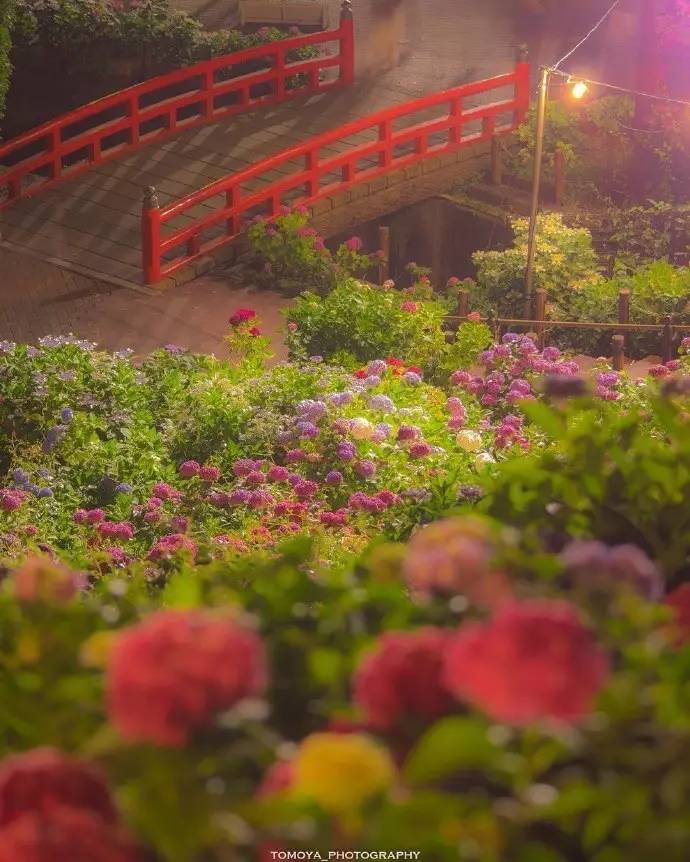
94	221
193	316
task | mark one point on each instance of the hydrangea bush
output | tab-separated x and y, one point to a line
360	600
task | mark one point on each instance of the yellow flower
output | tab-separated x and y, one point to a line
28	647
95	650
468	440
341	771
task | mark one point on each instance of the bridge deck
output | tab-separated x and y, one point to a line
94	221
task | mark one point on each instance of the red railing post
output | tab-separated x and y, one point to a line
386	141
521	85
279	69
151	236
312	166
56	168
347	44
208	92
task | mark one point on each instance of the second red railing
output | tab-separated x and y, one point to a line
167	104
196	225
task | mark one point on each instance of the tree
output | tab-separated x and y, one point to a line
6	18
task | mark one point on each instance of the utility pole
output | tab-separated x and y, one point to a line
536	183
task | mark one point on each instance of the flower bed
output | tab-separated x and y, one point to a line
417	593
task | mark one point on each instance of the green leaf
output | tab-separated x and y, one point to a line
452	744
182	591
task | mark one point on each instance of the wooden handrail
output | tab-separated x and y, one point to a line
314	170
129	119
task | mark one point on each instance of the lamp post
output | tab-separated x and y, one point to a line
536	182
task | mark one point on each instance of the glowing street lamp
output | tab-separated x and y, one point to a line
578	89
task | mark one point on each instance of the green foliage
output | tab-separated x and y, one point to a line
593	137
75	33
622	476
565	259
364	322
657	289
7	13
292	256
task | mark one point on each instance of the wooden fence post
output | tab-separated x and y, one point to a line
463	303
618	350
667	339
385	247
496	161
624	309
559	177
539	314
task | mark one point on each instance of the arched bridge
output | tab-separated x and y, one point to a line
222	141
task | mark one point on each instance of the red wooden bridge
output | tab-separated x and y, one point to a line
71	189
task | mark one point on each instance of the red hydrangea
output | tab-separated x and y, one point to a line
242	315
38	780
679	602
175	670
55	808
403	679
64	834
534	660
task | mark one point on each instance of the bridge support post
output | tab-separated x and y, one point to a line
151	236
347	44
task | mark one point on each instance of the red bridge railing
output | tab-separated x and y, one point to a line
177	234
162	106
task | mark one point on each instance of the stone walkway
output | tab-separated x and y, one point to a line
193	316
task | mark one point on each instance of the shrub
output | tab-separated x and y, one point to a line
565	259
290	255
657	289
149	36
357	322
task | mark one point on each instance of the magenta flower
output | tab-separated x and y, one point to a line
189	469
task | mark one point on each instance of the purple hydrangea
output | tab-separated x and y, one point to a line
306	489
407	433
382	404
189	469
377	367
346	451
295	455
595	565
278	474
365	469
239	497
307	429
334	477
412	378
341	399
244	466
311	409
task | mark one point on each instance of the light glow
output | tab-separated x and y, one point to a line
579	89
